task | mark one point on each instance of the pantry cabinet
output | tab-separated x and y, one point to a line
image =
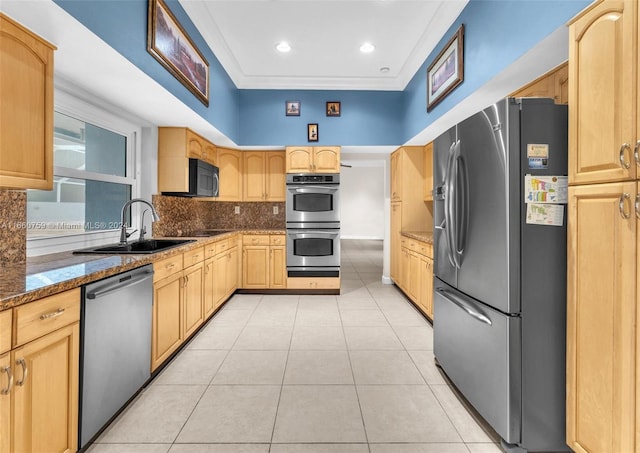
603	395
40	376
26	110
427	187
230	171
313	159
394	237
264	175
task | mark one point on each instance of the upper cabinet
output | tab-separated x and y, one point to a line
313	159
230	165
554	84
26	109
264	175
176	145
603	56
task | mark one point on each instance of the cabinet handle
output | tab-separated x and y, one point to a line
626	214
623	162
170	266
638	205
25	372
636	153
7	369
53	314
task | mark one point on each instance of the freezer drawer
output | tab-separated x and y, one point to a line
479	350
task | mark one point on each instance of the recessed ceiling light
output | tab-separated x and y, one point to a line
384	69
367	47
283	46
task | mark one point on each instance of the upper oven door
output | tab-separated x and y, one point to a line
313	203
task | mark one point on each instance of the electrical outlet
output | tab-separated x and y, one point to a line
237	210
275	210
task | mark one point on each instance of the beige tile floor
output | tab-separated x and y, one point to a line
352	373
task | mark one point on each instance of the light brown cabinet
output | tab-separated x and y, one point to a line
193	291
263	261
313	159
226	268
176	145
230	168
603	394
416	273
428	172
264	175
26	110
40	376
554	84
166	332
394	237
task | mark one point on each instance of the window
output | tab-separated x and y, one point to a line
94	176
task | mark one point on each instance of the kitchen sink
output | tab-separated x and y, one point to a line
146	246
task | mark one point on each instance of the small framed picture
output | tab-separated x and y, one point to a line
292	108
333	108
312	132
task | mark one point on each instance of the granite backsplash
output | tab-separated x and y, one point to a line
13	226
181	216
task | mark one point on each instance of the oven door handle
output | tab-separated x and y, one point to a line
313	234
313	189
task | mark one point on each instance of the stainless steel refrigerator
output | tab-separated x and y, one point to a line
500	282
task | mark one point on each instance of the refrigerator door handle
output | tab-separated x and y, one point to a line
462	207
448	225
465	305
452	204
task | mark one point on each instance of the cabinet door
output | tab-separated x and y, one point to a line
254	175
326	159
396	218
603	54
396	165
428	172
561	84
601	315
230	165
195	146
299	159
426	285
278	267
167	318
275	171
210	153
45	413
192	298
255	266
220	279
413	276
208	292
6	386
26	110
234	273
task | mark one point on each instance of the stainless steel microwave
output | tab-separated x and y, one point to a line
203	180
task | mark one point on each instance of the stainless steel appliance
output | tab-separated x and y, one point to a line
115	349
203	180
313	225
313	197
500	282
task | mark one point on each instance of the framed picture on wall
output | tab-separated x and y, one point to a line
447	70
333	108
292	108
312	132
169	43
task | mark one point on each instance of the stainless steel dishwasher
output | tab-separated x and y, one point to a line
115	351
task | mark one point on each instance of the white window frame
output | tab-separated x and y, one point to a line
75	107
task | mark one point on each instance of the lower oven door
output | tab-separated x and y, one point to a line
309	249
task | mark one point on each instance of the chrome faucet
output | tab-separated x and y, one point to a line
123	223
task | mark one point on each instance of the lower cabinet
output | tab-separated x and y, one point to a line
166	334
193	292
426	286
264	261
39	377
415	273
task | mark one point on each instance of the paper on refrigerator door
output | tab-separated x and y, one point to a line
545	189
545	214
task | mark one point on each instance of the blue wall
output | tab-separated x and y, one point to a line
497	32
366	117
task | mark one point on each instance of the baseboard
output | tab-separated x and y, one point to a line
386	280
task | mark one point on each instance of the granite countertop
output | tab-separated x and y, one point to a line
45	275
424	236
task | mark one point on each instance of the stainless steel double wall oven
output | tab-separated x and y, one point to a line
313	225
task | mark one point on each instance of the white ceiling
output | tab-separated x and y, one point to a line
325	37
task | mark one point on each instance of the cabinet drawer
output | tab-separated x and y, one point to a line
193	256
166	267
313	282
425	249
277	239
35	319
210	250
223	246
5	330
255	239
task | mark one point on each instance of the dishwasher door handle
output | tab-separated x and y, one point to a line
119	286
